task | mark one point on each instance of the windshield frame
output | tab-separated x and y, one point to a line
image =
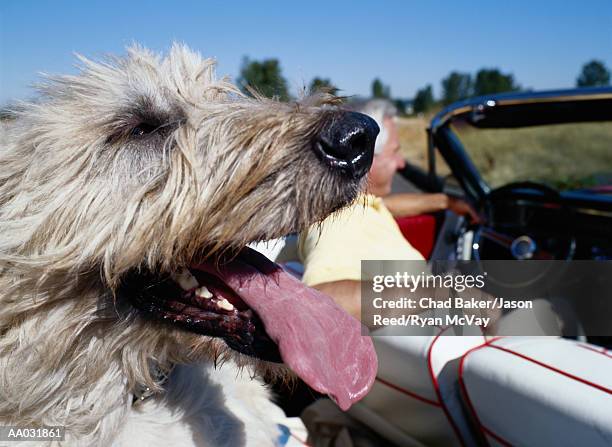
510	110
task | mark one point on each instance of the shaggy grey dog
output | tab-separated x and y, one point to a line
127	196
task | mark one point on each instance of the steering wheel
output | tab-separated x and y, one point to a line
527	245
521	244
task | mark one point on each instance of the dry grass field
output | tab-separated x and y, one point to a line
413	139
564	156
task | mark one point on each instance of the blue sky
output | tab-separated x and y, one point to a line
406	43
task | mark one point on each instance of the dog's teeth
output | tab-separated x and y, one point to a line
185	279
225	304
203	292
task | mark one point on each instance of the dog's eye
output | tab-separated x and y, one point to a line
142	129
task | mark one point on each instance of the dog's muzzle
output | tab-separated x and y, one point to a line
346	144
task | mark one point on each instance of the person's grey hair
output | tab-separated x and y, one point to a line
378	109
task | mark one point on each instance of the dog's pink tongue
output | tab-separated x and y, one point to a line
320	342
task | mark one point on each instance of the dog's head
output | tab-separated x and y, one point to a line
156	174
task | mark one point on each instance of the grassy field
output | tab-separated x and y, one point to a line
413	140
564	156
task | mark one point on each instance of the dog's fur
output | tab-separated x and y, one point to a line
85	198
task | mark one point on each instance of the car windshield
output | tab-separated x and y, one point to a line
564	156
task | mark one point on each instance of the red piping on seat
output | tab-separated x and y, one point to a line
496	437
434	382
559	371
299	440
602	351
409	393
463	387
486	430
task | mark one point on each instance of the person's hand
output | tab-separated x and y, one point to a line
462	208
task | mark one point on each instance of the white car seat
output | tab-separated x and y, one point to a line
434	389
407	394
538	391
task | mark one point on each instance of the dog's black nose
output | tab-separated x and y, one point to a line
347	143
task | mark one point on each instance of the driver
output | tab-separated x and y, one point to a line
332	252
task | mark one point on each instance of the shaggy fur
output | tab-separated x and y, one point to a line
136	162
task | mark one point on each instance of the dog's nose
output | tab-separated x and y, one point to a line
347	143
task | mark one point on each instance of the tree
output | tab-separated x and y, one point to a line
492	80
380	90
400	105
264	77
423	100
456	86
593	74
322	85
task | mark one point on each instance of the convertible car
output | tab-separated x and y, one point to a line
537	166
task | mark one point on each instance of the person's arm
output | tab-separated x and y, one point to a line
413	204
346	293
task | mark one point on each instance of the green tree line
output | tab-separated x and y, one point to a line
265	78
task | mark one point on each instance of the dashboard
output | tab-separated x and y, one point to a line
539	223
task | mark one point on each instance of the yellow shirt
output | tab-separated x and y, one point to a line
333	250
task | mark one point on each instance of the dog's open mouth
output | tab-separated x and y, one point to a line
262	311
